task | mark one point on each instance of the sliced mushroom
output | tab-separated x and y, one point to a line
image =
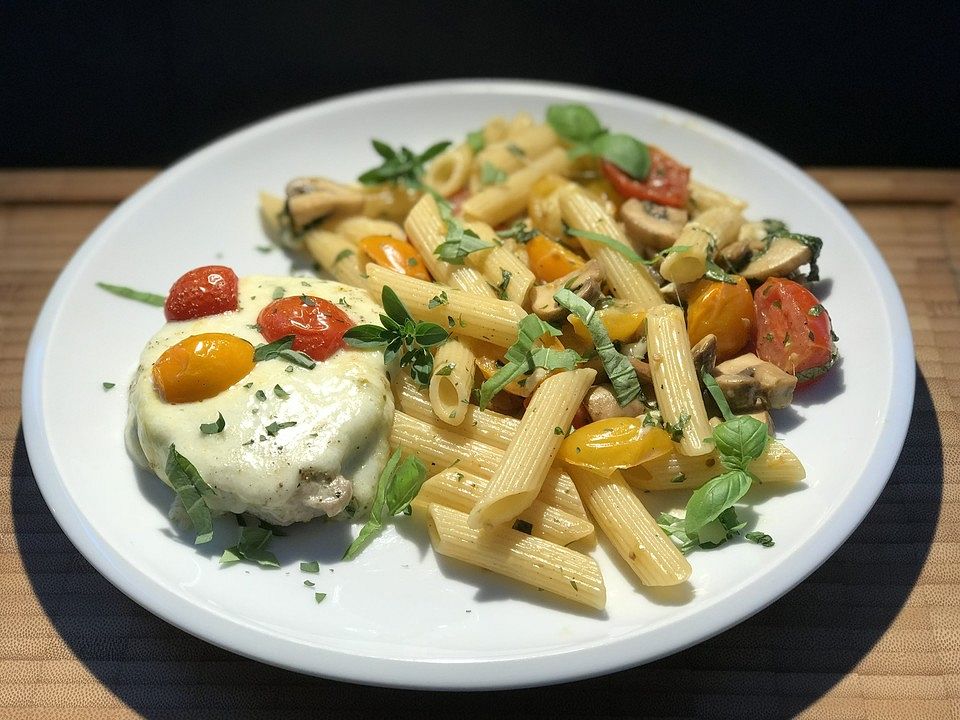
330	494
601	404
313	198
704	354
776	386
783	257
643	371
741	391
677	293
650	224
584	281
735	254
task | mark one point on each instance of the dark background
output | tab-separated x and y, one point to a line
142	84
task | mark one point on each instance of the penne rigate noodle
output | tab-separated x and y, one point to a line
452	381
533	449
462	313
631	529
626	279
426	230
272	208
702	237
449	171
675	379
674	471
509	552
518	123
441	448
460	490
357	227
510	155
500	267
703	197
337	255
497	203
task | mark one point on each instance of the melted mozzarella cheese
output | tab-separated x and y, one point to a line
343	410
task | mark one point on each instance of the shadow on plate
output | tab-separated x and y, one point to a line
774	664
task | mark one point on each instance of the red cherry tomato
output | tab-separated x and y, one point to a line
207	290
666	184
793	329
317	325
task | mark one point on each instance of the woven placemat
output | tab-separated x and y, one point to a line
874	633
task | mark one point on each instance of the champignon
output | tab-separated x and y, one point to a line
601	404
584	281
650	224
735	254
776	386
783	257
704	354
325	493
677	293
313	198
740	391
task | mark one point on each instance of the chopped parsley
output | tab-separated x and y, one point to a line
212	428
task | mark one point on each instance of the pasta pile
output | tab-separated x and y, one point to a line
602	340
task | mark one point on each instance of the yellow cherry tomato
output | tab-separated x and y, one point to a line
201	366
550	260
607	445
724	310
397	255
543	206
623	321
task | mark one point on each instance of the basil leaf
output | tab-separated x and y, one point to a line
251	546
620	372
280	392
519	232
190	489
709	501
438	300
490	174
131	294
760	538
610	242
445	370
476	140
458	244
310	567
365	336
501	289
773	226
275	427
319	597
550	359
393	306
212	428
718	274
739	441
375	521
404	485
343	255
574	122
429	334
109	385
401	167
718	397
297	358
627	153
272	350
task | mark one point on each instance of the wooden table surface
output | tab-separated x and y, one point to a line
874	633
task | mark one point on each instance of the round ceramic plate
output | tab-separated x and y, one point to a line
397	615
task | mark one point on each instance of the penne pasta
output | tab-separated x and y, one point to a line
510	154
459	312
502	270
460	490
357	227
449	171
337	255
703	197
626	279
527	460
675	379
631	529
514	554
497	203
452	381
702	237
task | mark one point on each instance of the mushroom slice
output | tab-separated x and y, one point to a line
314	198
330	494
735	254
741	391
776	386
783	257
584	281
601	404
704	354
677	293
650	224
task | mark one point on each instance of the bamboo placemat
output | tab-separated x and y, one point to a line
874	633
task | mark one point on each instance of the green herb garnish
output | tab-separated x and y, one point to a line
445	370
131	294
275	427
109	385
280	392
459	241
190	489
251	546
623	249
519	232
501	288
310	567
212	428
438	300
760	538
319	597
283	349
490	174
476	140
401	167
578	125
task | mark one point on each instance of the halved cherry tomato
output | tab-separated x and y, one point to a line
201	366
722	309
666	184
207	290
550	260
397	255
793	329
614	443
623	320
317	325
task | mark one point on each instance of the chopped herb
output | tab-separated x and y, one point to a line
718	274
280	392
476	140
490	174
623	249
131	294
342	302
309	583
282	348
445	370
438	300
275	427
264	249
516	150
717	394
288	368
277	293
458	241
451	322
760	538
342	255
573	584
190	489
260	395
558	431
319	597
412	262
399	483
519	232
212	428
676	429
307	300
109	385
248	385
816	310
501	289
678	478
251	546
310	567
523	526
401	167
772	225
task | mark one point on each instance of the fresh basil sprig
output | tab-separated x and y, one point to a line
622	376
624	250
191	489
401	167
577	124
251	546
398	485
459	241
131	294
523	358
519	232
401	336
283	349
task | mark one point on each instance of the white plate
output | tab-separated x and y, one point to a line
397	616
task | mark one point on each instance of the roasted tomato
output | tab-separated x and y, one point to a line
724	310
793	330
608	445
550	260
201	366
317	325
397	255
207	290
665	184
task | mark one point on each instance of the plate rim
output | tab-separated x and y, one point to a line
515	672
